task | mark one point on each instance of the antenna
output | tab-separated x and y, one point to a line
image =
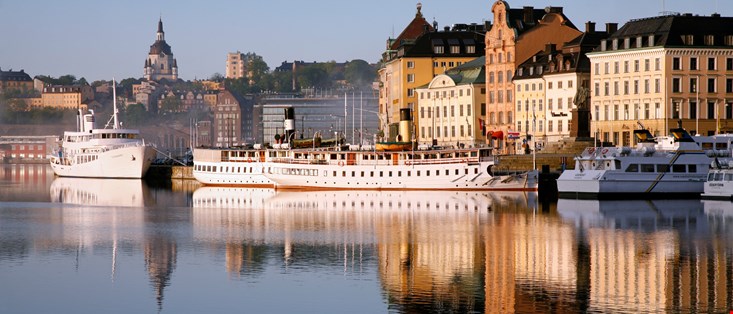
114	103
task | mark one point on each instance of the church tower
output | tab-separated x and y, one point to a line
160	63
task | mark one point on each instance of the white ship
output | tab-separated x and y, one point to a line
100	192
440	169
102	153
719	184
662	167
230	167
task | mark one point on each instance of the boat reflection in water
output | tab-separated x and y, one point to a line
656	255
426	245
100	192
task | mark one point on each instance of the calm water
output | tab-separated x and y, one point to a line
124	246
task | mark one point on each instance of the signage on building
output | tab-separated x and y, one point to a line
513	135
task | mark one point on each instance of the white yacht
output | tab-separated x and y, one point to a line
662	167
230	167
102	153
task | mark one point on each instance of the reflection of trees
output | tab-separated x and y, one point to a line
160	261
246	259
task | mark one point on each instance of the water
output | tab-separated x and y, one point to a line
125	246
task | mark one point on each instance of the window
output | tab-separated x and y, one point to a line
729	64
646	86
471	49
636	86
626	66
693	109
455	49
676	86
615	67
693	85
647	65
676	63
657	86
559	85
549	104
636	65
711	63
597	68
711	85
549	85
597	89
570	84
410	64
657	64
688	40
693	63
728	85
709	40
410	78
438	50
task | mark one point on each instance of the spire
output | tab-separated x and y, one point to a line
160	25
419	8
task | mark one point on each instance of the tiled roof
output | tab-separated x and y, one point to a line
417	27
14	76
669	31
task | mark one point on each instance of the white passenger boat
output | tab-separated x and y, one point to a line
719	184
440	169
230	167
102	153
663	167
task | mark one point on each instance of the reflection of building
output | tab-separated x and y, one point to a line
160	260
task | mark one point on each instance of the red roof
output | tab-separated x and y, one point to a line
413	30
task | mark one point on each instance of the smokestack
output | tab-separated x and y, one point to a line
289	123
405	125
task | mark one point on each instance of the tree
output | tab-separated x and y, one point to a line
135	115
216	77
313	76
170	104
359	73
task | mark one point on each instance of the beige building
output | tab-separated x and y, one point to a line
515	36
236	65
449	108
660	70
415	57
66	97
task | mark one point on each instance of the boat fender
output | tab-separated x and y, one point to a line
489	170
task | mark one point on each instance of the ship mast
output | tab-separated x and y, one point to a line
114	104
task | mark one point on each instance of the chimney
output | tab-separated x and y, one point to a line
528	14
590	27
557	10
611	28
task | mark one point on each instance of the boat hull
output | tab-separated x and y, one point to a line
246	174
603	184
718	189
450	176
129	162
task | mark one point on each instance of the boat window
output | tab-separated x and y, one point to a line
679	168
334	173
353	174
711	176
343	173
390	173
456	171
632	168
418	173
729	177
692	168
707	146
409	173
466	172
381	174
718	176
399	173
427	173
617	164
663	168
647	168
371	173
721	146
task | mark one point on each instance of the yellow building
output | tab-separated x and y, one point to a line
64	97
415	57
449	108
15	80
660	70
515	36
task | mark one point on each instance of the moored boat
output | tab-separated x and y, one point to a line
662	167
102	153
230	167
441	169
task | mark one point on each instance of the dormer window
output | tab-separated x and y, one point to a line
688	40
471	49
438	46
627	43
709	40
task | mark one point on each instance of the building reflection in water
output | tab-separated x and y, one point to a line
428	245
25	182
652	256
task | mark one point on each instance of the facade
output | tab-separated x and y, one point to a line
660	70
160	63
227	121
15	80
515	36
546	86
66	97
416	56
448	110
18	149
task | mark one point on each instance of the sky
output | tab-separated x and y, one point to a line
101	39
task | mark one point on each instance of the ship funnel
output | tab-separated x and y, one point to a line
405	125
88	122
289	123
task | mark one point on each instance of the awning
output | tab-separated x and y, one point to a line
497	134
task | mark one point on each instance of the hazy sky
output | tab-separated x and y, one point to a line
101	39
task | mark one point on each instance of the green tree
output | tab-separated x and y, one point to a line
216	77
135	115
359	73
312	76
170	105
